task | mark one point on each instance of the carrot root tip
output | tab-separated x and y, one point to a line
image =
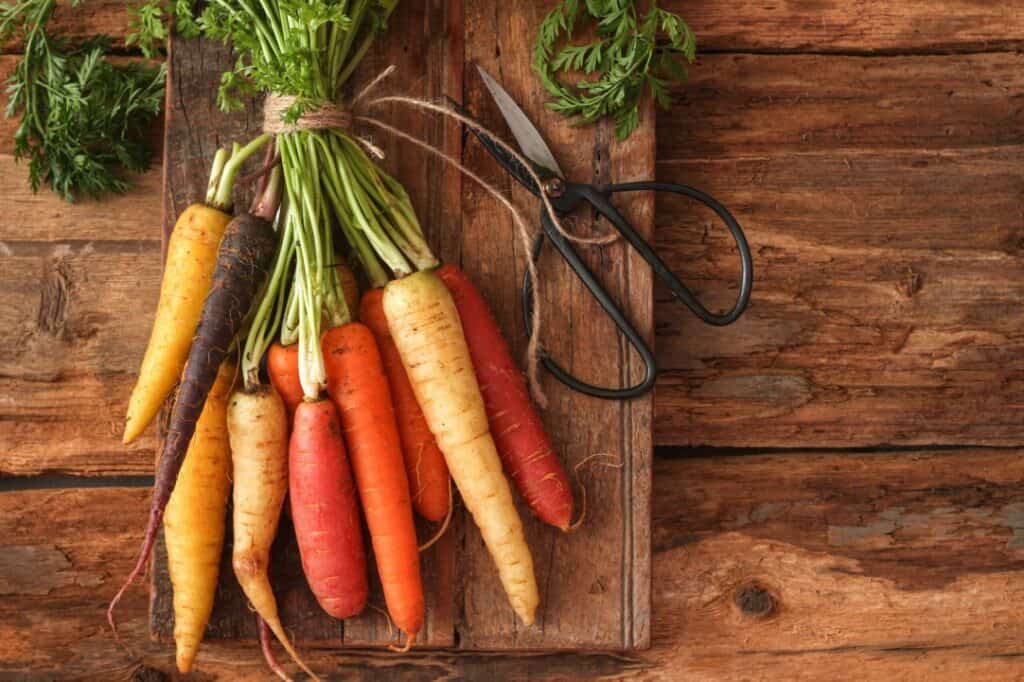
410	638
140	567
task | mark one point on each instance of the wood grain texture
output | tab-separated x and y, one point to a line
594	582
88	19
900	565
882	200
744	26
852	26
769	104
74	317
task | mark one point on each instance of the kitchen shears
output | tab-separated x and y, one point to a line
565	197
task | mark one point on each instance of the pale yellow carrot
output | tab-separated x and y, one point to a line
426	328
258	428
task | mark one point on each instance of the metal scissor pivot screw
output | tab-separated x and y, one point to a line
554	187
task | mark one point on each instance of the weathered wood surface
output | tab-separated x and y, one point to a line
903	565
744	26
897	566
853	26
882	200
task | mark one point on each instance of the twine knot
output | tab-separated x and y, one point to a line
327	115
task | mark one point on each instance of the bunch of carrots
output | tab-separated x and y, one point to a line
356	422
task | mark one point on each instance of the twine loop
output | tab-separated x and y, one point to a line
324	117
327	115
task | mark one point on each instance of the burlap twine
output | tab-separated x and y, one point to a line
325	117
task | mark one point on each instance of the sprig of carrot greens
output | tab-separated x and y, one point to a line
631	53
308	50
150	21
84	121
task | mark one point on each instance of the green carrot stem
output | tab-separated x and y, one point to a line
216	169
226	183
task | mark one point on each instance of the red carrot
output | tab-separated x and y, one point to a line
524	447
358	386
424	463
283	368
325	511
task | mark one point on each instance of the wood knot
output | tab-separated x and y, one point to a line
146	674
754	600
911	284
54	298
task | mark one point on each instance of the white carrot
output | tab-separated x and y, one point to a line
258	430
425	325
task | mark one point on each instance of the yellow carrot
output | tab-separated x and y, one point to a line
194	521
188	272
426	328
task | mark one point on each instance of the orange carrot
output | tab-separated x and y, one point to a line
358	386
349	285
424	463
283	368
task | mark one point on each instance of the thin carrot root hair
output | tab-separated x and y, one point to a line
387	617
268	651
140	567
278	630
444	524
617	464
404	649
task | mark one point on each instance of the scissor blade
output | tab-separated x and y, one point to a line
529	138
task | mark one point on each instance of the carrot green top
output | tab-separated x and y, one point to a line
306	52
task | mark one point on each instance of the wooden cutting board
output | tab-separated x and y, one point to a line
595	582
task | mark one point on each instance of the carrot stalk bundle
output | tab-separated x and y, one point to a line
425	325
358	386
518	432
325	510
194	521
331	181
424	464
244	255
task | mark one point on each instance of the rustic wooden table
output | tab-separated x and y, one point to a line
837	490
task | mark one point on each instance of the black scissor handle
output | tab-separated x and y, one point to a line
606	302
600	201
